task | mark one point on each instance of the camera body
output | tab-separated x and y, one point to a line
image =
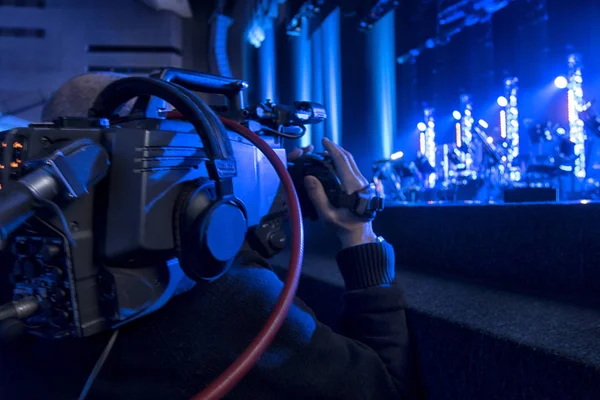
121	262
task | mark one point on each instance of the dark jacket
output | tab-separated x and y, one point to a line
176	352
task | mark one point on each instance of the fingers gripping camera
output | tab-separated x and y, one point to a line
364	203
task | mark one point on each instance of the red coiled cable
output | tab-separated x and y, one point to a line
240	367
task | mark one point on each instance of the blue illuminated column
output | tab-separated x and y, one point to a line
302	68
575	104
266	63
466	132
428	146
332	75
382	66
318	95
510	128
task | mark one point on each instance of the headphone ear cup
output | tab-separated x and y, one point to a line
209	231
188	188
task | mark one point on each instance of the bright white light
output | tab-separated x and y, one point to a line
256	35
575	104
421	126
397	155
431	124
483	124
561	82
561	131
456	115
502	102
490	139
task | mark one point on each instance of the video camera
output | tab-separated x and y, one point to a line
104	219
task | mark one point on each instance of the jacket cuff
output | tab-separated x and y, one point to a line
367	265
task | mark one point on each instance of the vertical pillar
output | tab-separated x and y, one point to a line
332	75
302	73
266	64
382	61
318	131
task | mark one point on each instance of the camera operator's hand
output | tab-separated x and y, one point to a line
297	153
351	229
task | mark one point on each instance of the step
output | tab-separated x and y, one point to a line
477	342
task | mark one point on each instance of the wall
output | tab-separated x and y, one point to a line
42	47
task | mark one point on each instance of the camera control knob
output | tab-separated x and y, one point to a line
277	240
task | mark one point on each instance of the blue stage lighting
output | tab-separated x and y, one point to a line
575	103
428	145
561	82
456	115
502	101
509	129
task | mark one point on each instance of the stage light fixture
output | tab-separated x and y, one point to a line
483	124
429	147
421	126
575	103
397	155
465	139
509	127
256	35
561	82
456	115
376	12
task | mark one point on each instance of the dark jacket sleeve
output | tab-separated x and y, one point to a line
374	309
369	360
177	352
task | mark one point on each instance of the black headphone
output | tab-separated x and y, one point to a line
209	222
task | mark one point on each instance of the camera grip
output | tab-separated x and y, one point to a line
364	203
321	168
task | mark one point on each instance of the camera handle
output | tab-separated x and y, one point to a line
232	89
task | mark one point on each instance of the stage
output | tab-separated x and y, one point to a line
502	299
